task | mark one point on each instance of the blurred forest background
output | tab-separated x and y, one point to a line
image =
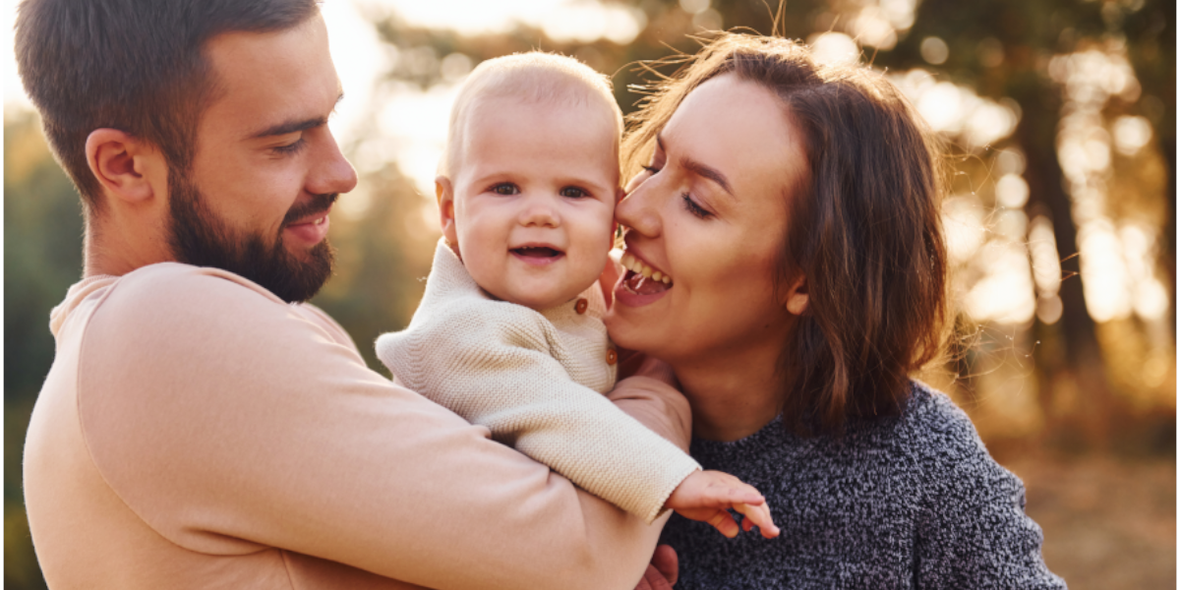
1060	222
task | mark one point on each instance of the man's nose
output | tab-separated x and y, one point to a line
331	172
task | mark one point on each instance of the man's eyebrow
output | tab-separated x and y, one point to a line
293	126
699	169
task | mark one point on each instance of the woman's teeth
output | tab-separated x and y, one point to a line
635	265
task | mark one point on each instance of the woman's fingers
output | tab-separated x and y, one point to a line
666	562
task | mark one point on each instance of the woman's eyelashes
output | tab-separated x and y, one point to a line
689	203
692	207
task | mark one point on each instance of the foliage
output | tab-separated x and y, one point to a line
1074	382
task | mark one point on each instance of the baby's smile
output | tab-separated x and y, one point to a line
537	254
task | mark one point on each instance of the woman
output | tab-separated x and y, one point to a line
787	216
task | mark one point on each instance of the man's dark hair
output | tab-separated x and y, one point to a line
132	65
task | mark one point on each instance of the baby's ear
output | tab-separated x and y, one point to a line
445	193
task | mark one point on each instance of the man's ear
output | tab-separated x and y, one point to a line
795	298
445	193
130	169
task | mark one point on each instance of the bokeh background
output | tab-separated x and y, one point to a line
1060	117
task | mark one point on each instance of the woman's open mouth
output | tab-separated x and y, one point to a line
642	279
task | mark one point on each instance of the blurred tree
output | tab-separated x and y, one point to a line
42	258
1088	372
999	49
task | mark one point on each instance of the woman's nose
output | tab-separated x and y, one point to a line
637	210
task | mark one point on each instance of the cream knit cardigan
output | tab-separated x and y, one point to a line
536	380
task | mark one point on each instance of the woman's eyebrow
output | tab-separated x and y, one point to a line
699	168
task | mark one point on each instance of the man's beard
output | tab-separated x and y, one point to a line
199	238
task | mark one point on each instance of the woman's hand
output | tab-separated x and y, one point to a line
650	398
706	496
663	570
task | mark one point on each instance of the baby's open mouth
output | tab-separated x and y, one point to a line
536	252
642	279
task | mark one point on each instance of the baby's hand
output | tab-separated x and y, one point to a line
705	496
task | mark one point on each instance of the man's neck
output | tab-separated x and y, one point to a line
114	252
733	396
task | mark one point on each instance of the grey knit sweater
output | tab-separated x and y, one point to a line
907	502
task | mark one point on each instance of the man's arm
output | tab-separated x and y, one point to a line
229	421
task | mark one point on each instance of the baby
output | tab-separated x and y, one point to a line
509	333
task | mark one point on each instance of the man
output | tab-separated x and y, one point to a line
199	427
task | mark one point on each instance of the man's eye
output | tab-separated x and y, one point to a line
505	188
574	192
290	148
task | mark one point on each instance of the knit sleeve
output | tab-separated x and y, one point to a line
975	533
489	362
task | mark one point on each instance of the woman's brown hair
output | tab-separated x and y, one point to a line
864	228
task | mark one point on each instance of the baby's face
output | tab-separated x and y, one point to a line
533	199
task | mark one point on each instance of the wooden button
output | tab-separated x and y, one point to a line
581	305
612	357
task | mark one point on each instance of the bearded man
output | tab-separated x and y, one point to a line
202	428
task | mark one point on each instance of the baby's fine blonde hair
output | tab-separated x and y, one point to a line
533	77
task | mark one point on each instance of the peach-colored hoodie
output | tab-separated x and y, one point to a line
197	432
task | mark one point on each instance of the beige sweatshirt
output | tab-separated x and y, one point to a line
536	379
197	432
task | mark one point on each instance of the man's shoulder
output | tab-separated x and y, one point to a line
174	283
184	303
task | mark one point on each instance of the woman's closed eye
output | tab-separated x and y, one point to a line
693	207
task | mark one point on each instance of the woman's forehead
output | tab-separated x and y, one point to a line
740	129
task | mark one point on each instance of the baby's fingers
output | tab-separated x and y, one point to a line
724	523
732	495
760	516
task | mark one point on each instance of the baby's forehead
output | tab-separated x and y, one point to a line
546	129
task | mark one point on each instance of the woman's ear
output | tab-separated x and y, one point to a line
129	169
445	193
796	299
